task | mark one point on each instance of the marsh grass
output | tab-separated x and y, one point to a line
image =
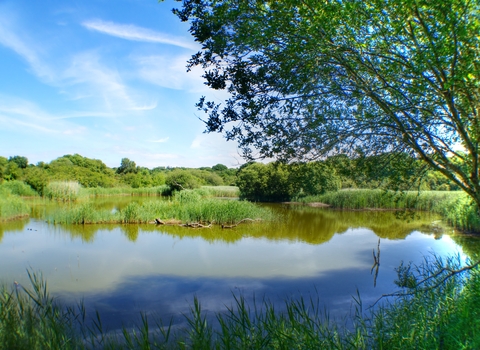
428	312
186	206
455	206
223	191
12	206
66	191
162	190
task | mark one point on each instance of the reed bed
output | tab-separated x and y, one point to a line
66	191
223	191
428	312
186	206
454	206
11	206
162	190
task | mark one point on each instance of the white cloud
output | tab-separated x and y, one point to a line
132	32
165	139
9	37
170	72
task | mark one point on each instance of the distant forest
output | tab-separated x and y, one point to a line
272	181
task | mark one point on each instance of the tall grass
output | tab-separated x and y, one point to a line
428	312
12	206
185	206
223	191
162	190
455	206
62	190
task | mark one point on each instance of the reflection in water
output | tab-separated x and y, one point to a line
124	269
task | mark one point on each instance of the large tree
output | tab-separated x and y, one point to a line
308	78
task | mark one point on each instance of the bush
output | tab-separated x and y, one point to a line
19	188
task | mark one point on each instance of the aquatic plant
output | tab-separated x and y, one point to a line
438	308
185	206
455	206
161	190
12	206
62	190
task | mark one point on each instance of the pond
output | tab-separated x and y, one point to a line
122	270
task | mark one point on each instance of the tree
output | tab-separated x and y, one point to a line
22	162
307	78
127	166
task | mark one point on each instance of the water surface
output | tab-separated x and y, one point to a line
121	270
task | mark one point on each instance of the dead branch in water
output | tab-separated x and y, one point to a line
243	220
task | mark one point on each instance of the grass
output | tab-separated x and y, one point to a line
428	312
62	190
12	206
186	206
223	191
455	206
126	191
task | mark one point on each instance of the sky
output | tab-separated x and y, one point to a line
104	79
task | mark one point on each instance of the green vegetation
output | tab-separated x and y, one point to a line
456	207
186	206
11	206
277	181
428	312
307	79
62	190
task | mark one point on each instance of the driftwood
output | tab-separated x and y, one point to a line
199	225
196	225
235	225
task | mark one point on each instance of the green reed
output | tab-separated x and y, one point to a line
427	312
455	206
162	190
62	190
12	206
222	191
186	206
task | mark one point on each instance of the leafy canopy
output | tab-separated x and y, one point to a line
308	78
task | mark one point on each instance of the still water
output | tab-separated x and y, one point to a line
122	270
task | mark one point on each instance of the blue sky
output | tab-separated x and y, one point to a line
105	79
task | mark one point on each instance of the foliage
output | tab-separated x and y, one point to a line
18	188
11	206
279	182
21	162
180	179
309	79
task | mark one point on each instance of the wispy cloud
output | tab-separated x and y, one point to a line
9	37
165	139
132	32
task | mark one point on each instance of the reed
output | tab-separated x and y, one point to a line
185	206
62	190
223	191
454	206
162	190
12	206
428	312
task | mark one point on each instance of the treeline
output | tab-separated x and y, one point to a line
275	181
278	181
94	173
